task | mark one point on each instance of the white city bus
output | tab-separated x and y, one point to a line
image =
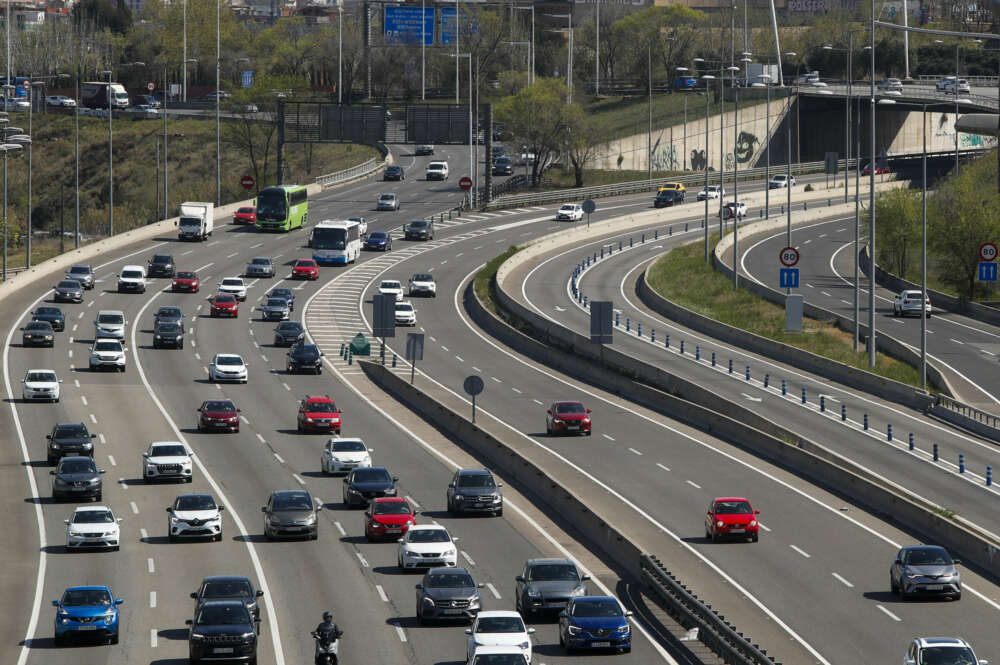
335	241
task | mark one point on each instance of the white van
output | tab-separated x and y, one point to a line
132	279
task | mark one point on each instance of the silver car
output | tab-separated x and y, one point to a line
83	274
274	309
387	202
260	266
68	290
925	569
110	323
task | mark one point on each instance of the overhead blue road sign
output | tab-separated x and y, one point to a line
247	79
789	278
987	271
402	25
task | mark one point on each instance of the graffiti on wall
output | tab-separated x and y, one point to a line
698	160
664	158
746	146
976	141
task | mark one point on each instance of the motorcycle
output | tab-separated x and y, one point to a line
326	648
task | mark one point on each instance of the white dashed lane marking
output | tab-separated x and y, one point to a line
693	484
381	593
843	581
801	551
493	590
888	613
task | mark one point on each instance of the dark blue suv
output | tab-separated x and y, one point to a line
595	622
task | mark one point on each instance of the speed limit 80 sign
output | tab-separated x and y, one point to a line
789	256
988	251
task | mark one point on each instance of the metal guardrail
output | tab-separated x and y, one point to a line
973	80
970	412
357	171
713	630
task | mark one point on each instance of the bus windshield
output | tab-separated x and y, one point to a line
324	238
271	205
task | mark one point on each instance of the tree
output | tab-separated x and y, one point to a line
580	139
898	228
250	134
663	37
534	116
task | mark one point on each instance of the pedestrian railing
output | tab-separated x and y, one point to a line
969	412
351	173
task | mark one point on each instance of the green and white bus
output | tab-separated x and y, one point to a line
282	208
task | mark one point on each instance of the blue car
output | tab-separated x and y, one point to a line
379	241
282	292
685	83
595	622
87	611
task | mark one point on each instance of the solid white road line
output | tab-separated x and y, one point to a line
400	633
362	559
298	478
143	534
111	460
278	457
152	638
465	555
663	467
152	599
608	437
633	450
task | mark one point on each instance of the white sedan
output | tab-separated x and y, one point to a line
391	287
41	384
405	314
496	628
570	212
60	100
711	192
740	210
234	286
228	367
340	455
426	545
780	181
92	526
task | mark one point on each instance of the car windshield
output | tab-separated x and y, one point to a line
371	476
603	607
950	655
499	659
38	325
68	284
277	302
232	281
186	275
423	277
40	376
195	502
500	625
227	589
47	311
260	261
404	307
912	294
225	297
387	197
732	508
570	408
476	480
169	450
779	177
223	615
419	224
348	446
305	263
429	536
79	270
321	407
170	312
306	351
290	326
162	258
110	318
378	235
929	556
85	597
218	406
168	327
245	210
568	208
392	508
292	501
83	465
107	346
93	517
282	293
271	204
449	581
228	360
389	285
131	274
71	432
553	572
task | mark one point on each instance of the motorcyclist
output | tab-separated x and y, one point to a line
326	632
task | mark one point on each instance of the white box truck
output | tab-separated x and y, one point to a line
95	95
196	221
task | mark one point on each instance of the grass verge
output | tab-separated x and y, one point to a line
682	276
484	278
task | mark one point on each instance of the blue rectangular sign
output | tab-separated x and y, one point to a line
402	25
987	271
247	79
448	25
789	278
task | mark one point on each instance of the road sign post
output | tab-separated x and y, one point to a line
789	256
601	324
987	271
414	351
473	385
465	183
588	207
151	86
788	278
247	182
988	252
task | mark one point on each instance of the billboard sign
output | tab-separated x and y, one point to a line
448	25
402	25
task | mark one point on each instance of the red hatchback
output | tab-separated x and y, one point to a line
225	304
567	418
879	169
389	517
731	517
318	413
305	269
218	414
245	215
186	280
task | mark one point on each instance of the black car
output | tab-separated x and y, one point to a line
288	333
546	585
53	315
38	333
393	172
498	151
448	593
474	491
305	358
421	229
286	293
291	513
228	587
668	198
69	439
378	241
168	313
68	290
222	629
168	334
363	485
77	478
503	166
161	265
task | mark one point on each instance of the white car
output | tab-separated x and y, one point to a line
387	202
422	284
40	384
497	656
927	650
711	192
16	104
234	286
569	212
110	323
780	181
426	545
499	628
362	225
60	100
437	171
143	112
227	367
943	83
340	455
194	516
962	86
167	460
908	302
739	208
405	314
391	286
132	279
92	526
107	353
890	84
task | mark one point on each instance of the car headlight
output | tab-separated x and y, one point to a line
158	336
497	498
48	337
352	490
197	637
624	629
308	419
94	481
74	533
912	576
534	593
450	552
459	497
720	523
273	520
54	446
311	519
391	491
579	591
248	637
60	481
174	520
753	522
411	522
557	421
428	601
573	630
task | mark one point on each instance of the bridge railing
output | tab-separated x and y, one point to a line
351	173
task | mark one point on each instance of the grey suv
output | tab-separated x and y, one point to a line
474	491
83	274
447	593
547	585
925	569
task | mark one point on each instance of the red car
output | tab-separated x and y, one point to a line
245	215
225	304
187	281
567	418
731	516
879	170
318	413
218	414
305	269
389	517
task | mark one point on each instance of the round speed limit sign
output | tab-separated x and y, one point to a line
789	256
988	251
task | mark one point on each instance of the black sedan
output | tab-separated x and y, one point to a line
38	333
394	172
168	334
52	315
168	313
68	290
288	333
305	358
361	486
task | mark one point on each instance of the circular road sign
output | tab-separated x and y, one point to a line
247	181
151	86
789	256
988	251
465	182
473	385
589	206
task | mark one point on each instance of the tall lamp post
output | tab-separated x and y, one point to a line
568	30
788	163
111	161
166	206
682	71
531	66
736	181
5	148
847	104
471	126
707	78
218	115
722	132
35	81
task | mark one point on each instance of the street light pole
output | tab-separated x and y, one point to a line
871	202
423	48
788	162
736	186
111	165
218	102
923	253
76	157
597	50
708	100
340	53
649	131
